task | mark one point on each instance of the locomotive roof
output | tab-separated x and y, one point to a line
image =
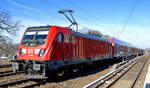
117	41
89	36
120	42
43	27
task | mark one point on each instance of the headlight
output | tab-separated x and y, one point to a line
15	66
41	53
22	51
37	51
37	67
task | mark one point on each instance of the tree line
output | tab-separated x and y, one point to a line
8	29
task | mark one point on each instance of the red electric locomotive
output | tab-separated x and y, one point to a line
52	48
47	48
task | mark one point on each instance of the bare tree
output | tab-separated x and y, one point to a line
97	33
106	36
8	29
8	25
93	32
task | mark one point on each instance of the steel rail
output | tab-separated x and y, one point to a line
22	81
3	72
7	74
134	82
113	72
34	85
10	73
14	82
122	75
5	65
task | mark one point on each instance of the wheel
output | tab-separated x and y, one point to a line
75	69
60	72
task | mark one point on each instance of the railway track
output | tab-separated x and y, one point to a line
9	78
123	77
5	62
23	83
6	70
9	73
5	65
131	76
19	80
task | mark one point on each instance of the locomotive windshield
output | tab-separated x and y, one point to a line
35	36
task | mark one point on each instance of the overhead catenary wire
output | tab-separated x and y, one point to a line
87	20
114	34
88	13
36	19
19	15
51	4
96	25
47	3
33	9
128	18
91	15
58	7
30	20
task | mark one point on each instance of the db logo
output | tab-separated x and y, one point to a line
30	50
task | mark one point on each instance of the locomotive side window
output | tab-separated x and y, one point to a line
60	37
66	38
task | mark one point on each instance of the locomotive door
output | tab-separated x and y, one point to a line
61	45
58	47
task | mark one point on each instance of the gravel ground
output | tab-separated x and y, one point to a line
83	78
88	77
126	80
6	69
141	79
77	81
5	62
23	84
12	78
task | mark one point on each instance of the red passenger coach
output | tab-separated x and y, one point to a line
123	49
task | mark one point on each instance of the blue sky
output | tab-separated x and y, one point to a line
106	16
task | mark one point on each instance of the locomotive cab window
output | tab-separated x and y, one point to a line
60	38
35	36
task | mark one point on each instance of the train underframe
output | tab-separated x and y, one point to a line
44	69
34	69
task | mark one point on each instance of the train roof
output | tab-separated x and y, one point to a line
117	41
120	42
89	36
39	27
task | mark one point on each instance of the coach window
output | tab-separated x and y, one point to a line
60	37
